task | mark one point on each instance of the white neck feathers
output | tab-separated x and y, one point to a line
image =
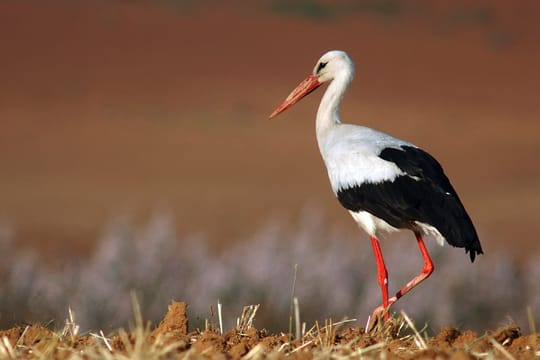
328	112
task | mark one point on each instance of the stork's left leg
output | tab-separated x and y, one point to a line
382	273
382	278
427	270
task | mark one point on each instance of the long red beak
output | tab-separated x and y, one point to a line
304	88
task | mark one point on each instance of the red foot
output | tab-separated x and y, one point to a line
382	311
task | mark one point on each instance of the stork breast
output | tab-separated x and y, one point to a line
348	169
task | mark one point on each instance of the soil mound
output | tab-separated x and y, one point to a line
398	338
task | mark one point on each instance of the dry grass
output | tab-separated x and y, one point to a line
335	278
397	338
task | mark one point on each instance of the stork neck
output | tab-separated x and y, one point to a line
328	113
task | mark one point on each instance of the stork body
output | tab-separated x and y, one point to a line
387	184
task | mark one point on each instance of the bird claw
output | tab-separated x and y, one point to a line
375	320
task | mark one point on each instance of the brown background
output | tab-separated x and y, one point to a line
110	108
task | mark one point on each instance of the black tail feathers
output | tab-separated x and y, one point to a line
474	248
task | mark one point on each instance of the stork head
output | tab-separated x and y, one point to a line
331	65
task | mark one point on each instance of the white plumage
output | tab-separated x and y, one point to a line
351	155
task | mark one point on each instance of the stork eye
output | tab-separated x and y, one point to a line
321	66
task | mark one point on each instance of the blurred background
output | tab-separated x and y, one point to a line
136	154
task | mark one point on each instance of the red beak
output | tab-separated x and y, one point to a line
304	88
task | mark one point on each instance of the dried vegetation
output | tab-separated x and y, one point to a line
172	338
335	274
336	278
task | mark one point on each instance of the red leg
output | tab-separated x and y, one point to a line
382	273
426	271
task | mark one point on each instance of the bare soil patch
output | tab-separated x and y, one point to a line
172	337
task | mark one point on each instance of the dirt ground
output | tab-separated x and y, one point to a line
172	337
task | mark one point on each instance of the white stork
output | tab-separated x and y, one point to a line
386	184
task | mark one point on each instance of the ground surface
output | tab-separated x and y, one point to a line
112	108
172	337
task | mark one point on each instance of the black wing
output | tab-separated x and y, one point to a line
424	194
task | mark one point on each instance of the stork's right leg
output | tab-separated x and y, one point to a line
427	270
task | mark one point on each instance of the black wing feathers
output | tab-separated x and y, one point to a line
424	194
